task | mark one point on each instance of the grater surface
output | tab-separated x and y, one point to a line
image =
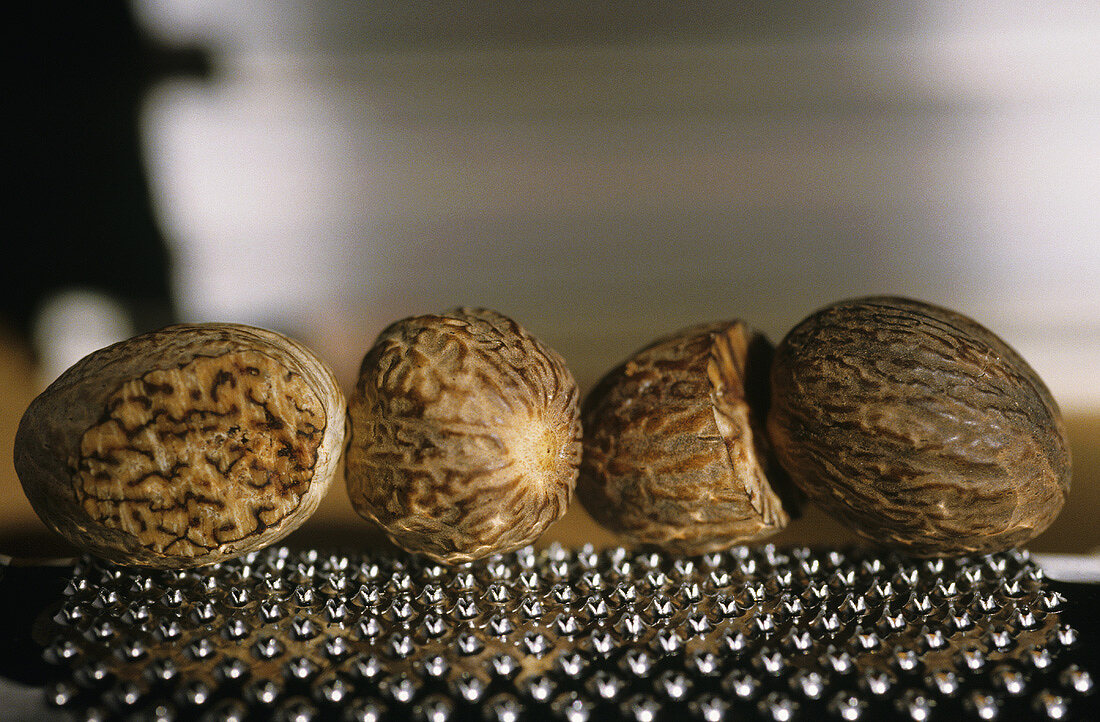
751	633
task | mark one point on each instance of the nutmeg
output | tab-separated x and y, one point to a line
184	446
465	435
675	452
918	428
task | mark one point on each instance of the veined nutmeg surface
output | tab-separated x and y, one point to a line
675	452
184	446
465	435
918	428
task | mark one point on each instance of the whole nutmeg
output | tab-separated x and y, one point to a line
918	428
465	435
184	446
675	452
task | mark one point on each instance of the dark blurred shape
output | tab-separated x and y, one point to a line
82	212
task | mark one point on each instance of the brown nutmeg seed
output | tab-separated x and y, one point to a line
675	452
184	446
465	435
918	428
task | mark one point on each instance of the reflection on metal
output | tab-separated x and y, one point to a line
575	635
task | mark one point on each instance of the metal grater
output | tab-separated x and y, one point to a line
751	633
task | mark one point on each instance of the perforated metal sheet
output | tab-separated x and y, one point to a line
752	633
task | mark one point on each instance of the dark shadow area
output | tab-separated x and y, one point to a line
83	216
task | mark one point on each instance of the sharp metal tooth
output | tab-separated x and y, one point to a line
536	644
231	669
267	648
335	691
907	660
562	594
503	707
401	610
691	592
133	649
540	688
469	687
624	593
434	626
770	662
847	707
497	594
365	710
983	705
1000	638
809	683
596	608
656	580
464	581
201	648
962	621
401	688
1067	635
571	708
746	567
764	622
797	641
304	628
531	608
675	685
945	681
367	667
529	580
504	665
719	579
640	708
1040	658
465	608
698	624
972	658
709	708
497	568
1012	588
196	693
742	684
1052	601
587	557
1010	680
366	596
735	642
238	596
1054	706
867	641
526	557
636	663
300	668
604	685
892	622
839	661
778	707
436	666
601	642
1077	679
368	628
877	682
61	693
434	708
916	705
271	611
986	604
667	641
469	644
567	625
162	670
402	646
843	579
572	664
591	581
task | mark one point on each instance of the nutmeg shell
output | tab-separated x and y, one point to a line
465	435
675	451
918	428
184	446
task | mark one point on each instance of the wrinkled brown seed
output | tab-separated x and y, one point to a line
465	435
675	452
184	446
918	428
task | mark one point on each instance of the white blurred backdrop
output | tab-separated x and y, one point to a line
605	179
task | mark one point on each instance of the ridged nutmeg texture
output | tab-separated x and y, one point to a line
184	446
465	435
675	452
918	428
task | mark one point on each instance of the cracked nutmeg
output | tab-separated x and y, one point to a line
675	452
184	446
918	428
465	436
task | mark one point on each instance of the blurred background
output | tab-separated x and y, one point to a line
602	172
